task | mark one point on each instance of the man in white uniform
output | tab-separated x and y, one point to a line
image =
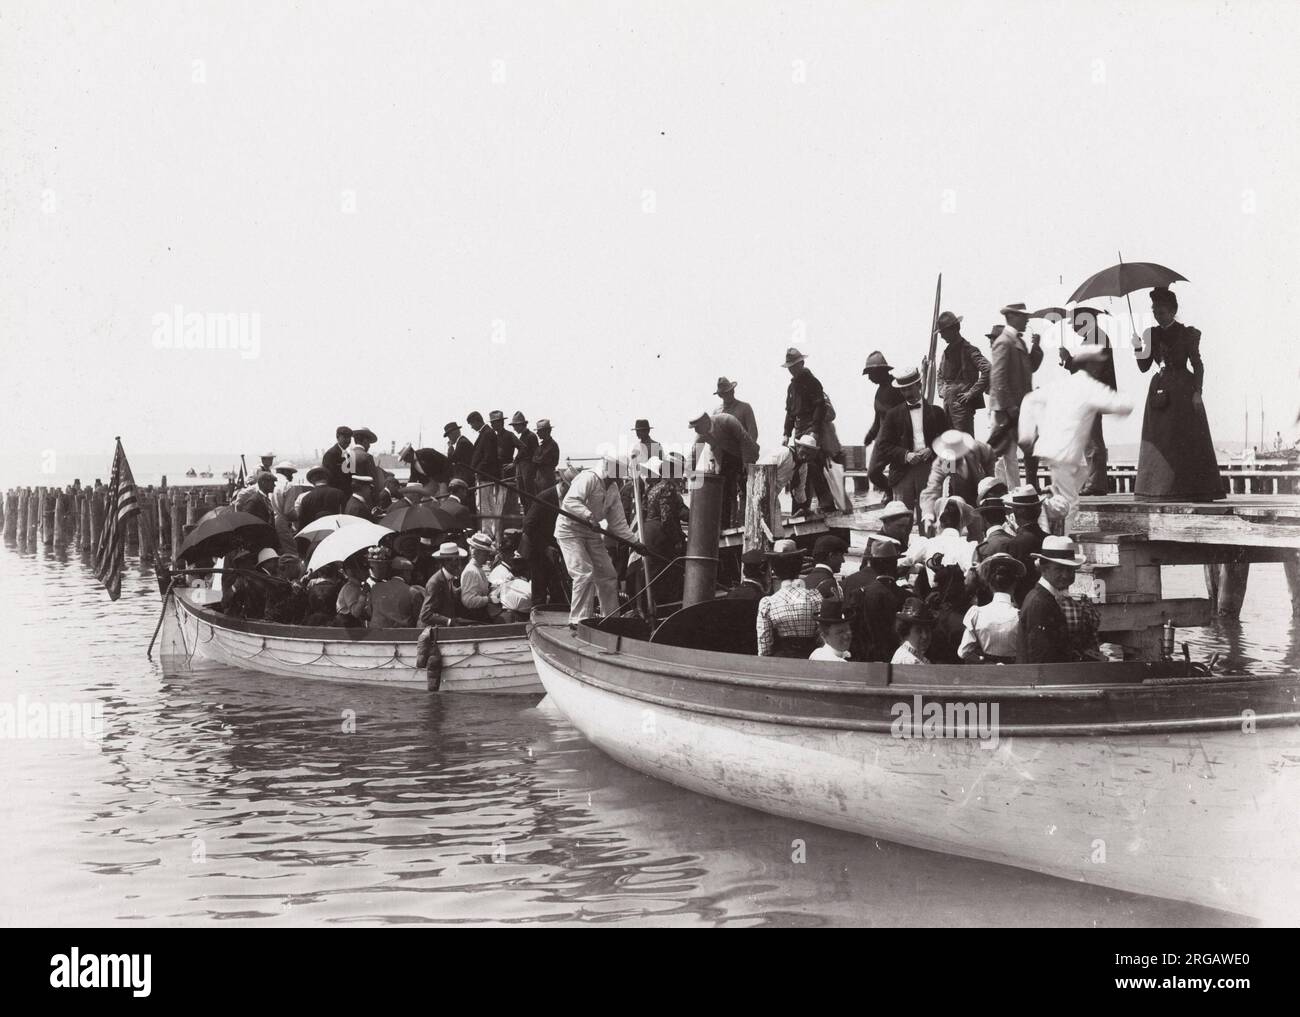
594	497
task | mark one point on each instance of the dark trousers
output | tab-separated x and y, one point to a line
811	476
733	471
962	418
546	568
1096	456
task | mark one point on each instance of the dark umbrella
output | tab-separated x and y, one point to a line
419	519
216	532
1122	279
463	517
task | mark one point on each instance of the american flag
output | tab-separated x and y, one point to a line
122	507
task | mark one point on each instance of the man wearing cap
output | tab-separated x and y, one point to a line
1011	379
442	591
753	577
1057	422
961	463
906	439
733	449
525	453
872	598
644	447
1045	630
460	453
593	496
886	398
546	458
256	499
336	461
963	375
835	632
991	631
1101	368
828	559
322	499
360	503
787	619
739	409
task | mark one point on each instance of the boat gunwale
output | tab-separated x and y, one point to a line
328	634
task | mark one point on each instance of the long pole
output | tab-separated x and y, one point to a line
1132	322
932	368
640	532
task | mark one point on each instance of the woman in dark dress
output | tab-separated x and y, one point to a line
1177	460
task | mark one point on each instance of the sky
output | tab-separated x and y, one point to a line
590	211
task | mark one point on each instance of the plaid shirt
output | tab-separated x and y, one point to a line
791	612
1082	621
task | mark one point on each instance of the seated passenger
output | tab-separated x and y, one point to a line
322	595
914	625
475	590
244	595
442	591
286	602
948	602
353	605
753	577
404	569
390	597
511	587
836	634
787	619
992	631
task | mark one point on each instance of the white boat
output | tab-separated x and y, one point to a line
475	658
1123	775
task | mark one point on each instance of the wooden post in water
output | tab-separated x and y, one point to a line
177	526
143	519
24	500
84	529
47	517
13	508
162	520
191	509
1291	569
33	515
761	508
1226	586
58	532
96	519
702	541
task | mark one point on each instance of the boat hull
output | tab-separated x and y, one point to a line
1204	816
488	659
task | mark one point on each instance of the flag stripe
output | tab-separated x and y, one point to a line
110	554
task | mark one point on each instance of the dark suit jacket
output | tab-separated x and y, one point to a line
461	454
805	405
1044	638
507	446
546	461
1027	541
320	501
870	603
484	458
747	590
440	600
895	439
332	460
539	521
887	397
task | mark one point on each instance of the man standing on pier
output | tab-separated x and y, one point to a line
1012	378
742	411
460	452
878	372
963	374
486	469
525	454
806	409
645	447
906	437
546	460
336	461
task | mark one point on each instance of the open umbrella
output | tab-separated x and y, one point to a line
328	524
344	543
216	532
424	518
1122	279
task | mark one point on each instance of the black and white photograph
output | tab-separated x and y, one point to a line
710	464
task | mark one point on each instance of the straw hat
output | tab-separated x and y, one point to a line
1061	551
895	509
267	554
1024	496
284	466
450	549
1014	309
482	542
953	445
784	549
909	377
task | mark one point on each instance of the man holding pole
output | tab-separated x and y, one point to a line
963	374
594	498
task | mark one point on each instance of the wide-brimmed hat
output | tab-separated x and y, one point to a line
317	473
496	415
876	359
284	466
1001	560
267	455
543	425
482	542
1062	551
909	377
415	491
915	612
357	478
995	331
379	553
989	487
365	434
963	506
880	546
518	418
641	424
1024	496
725	384
703	418
808	441
947	320
895	508
1019	309
453	426
953	445
832	611
267	554
1094	311
792	357
450	549
784	549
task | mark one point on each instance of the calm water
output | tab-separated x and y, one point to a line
224	796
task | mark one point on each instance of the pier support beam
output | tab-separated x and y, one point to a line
762	509
1291	569
1226	586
